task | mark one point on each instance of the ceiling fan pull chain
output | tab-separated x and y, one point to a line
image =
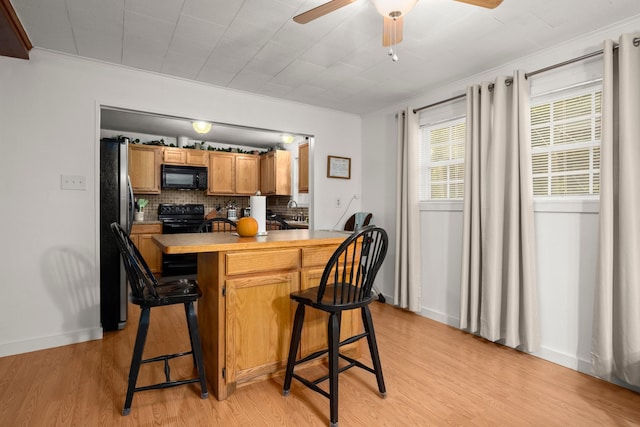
392	51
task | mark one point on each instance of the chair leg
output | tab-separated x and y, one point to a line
186	312
334	349
373	348
141	337
196	347
293	348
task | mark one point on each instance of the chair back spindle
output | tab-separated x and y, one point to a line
351	270
217	224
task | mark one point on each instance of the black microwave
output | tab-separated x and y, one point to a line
184	177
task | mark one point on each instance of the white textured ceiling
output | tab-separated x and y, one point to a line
336	61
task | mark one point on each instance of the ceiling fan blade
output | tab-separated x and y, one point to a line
489	4
321	10
391	35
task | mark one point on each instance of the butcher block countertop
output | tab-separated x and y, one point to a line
217	242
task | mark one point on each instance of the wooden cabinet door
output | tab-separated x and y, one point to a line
142	237
222	170
196	157
185	156
174	156
150	252
283	173
259	318
247	174
303	168
275	173
144	168
267	174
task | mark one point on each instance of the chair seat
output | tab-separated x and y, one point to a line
310	296
173	292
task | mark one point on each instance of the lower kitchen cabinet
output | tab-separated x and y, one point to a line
246	316
260	315
142	236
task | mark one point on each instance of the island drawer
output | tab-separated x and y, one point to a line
317	256
264	260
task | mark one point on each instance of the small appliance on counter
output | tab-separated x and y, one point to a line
232	211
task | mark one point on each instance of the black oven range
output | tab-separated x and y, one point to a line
177	218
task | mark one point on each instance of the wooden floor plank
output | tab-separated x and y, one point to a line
435	375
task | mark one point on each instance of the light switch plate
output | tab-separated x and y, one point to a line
73	182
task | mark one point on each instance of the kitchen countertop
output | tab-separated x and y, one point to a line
184	243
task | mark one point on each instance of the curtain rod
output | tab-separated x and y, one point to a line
636	43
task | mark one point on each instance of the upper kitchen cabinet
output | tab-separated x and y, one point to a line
233	174
185	156
275	173
144	168
303	168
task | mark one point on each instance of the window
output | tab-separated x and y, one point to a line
565	142
442	160
565	147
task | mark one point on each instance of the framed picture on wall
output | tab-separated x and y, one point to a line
338	167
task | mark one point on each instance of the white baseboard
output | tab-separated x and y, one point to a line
440	317
41	343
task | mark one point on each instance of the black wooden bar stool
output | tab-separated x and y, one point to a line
346	284
148	293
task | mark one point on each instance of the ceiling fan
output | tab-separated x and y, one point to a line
392	12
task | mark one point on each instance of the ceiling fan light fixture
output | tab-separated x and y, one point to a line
394	8
201	127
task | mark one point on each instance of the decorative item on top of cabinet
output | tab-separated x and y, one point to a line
303	168
275	173
184	156
144	168
142	236
233	173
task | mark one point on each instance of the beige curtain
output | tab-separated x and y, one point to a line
616	331
407	288
498	290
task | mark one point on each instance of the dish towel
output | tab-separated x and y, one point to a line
359	220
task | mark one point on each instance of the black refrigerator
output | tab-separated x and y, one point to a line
116	205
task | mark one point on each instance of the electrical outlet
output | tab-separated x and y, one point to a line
73	182
338	202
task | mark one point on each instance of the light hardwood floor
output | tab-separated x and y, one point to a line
435	376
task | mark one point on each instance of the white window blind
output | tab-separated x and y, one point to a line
565	138
442	160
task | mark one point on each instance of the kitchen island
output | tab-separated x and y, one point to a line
245	314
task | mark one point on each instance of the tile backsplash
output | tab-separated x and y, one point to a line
278	204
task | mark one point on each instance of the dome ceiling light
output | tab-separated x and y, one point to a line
201	127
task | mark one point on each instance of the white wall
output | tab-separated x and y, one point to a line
49	126
566	233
